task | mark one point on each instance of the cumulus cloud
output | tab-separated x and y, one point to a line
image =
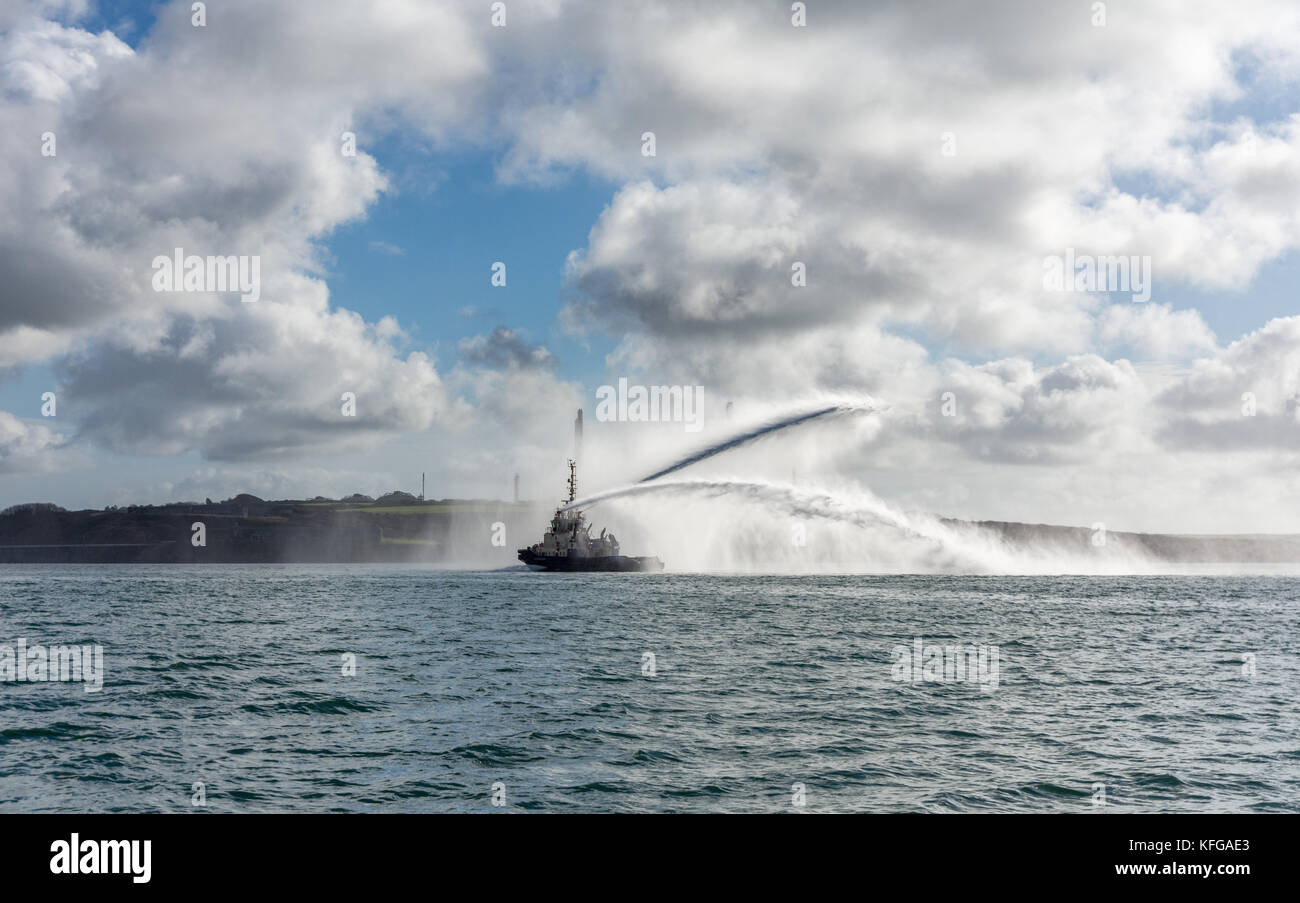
1013	411
239	388
919	161
1248	397
29	447
148	158
1155	331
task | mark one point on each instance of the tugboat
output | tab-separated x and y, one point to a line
569	545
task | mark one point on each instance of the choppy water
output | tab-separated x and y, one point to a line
231	676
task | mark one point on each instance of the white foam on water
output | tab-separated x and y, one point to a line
735	524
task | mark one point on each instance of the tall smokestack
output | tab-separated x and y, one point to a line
577	437
516	487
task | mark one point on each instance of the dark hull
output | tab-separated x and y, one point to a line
603	563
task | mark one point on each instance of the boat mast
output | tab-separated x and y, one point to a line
573	479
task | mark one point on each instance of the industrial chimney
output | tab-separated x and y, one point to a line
577	437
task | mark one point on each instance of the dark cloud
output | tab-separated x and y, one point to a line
505	348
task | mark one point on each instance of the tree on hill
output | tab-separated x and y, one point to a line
243	499
31	506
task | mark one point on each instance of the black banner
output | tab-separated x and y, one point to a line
621	853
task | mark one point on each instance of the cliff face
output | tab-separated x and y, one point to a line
1167	547
266	532
159	535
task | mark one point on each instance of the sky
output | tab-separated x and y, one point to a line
920	162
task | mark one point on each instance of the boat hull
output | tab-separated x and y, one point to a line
590	563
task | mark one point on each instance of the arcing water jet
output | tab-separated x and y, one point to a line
766	429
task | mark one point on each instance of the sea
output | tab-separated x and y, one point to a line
364	688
